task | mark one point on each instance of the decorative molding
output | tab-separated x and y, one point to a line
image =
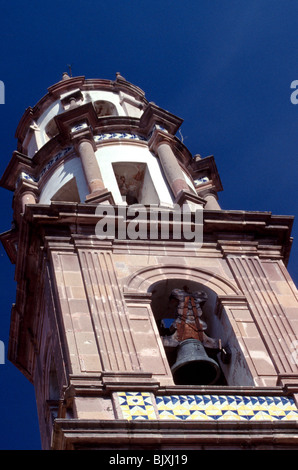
140	381
79	126
138	297
118	136
232	301
139	406
154	115
109	313
185	197
145	277
49	165
289	382
152	434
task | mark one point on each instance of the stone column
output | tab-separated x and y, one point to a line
26	193
27	197
160	144
90	166
171	168
211	201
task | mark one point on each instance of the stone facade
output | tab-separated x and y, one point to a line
86	327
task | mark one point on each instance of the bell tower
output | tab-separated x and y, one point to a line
146	316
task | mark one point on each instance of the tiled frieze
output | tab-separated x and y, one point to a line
118	135
48	166
136	405
140	405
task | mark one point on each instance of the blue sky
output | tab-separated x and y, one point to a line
224	67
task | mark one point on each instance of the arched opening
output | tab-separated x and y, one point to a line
135	183
105	108
51	129
67	193
184	313
223	300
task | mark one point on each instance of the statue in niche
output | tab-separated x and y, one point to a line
130	186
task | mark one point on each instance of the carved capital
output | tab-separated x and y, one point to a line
77	120
238	248
82	135
157	138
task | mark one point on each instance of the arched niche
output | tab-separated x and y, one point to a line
66	181
51	129
222	297
67	193
135	183
142	280
105	108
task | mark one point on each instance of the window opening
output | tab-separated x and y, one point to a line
51	129
191	351
186	336
105	108
67	193
130	179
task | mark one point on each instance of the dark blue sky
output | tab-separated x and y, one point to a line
224	67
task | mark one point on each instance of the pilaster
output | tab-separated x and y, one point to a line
269	315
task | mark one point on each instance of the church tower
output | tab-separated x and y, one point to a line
146	316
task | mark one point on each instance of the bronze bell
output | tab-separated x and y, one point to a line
193	366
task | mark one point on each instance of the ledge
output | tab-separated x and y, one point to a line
117	434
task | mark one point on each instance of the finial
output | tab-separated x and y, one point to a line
70	69
119	76
65	76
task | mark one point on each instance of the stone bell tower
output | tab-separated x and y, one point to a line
133	341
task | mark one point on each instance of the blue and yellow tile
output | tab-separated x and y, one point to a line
136	405
139	405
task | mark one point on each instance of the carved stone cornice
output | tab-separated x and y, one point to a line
234	233
67	86
18	163
162	434
82	135
9	240
189	197
206	167
63	86
250	248
233	301
240	248
289	382
129	381
83	116
33	168
154	115
138	297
